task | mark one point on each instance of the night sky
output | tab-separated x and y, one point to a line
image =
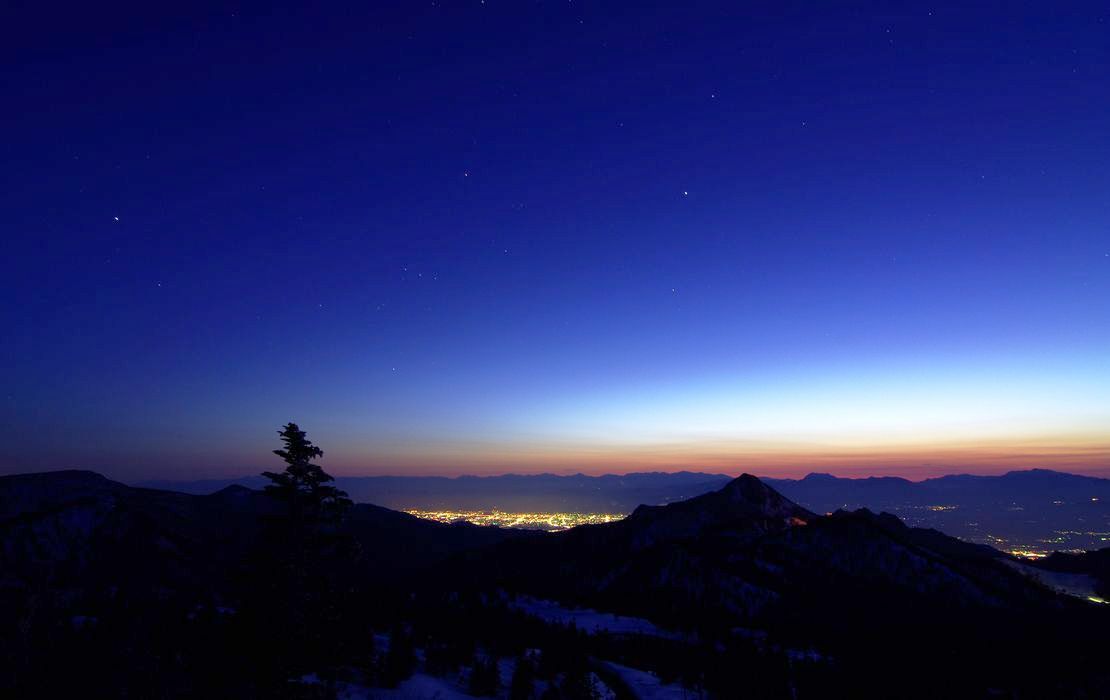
487	237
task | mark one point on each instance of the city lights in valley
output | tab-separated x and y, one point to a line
527	521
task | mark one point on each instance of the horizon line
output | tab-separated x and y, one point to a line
1103	474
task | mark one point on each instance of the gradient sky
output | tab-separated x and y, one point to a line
502	236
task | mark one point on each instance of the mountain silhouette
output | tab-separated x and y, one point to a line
859	596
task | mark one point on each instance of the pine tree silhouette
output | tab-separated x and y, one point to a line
303	485
304	563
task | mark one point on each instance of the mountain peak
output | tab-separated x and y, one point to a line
749	496
235	491
745	483
743	504
749	489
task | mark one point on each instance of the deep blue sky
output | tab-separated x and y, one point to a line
519	236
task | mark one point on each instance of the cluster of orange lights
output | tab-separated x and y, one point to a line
527	521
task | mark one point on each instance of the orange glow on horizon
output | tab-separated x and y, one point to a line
1085	454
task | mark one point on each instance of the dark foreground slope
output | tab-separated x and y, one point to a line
879	607
140	592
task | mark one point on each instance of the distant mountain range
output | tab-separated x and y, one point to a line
754	595
1036	510
828	492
